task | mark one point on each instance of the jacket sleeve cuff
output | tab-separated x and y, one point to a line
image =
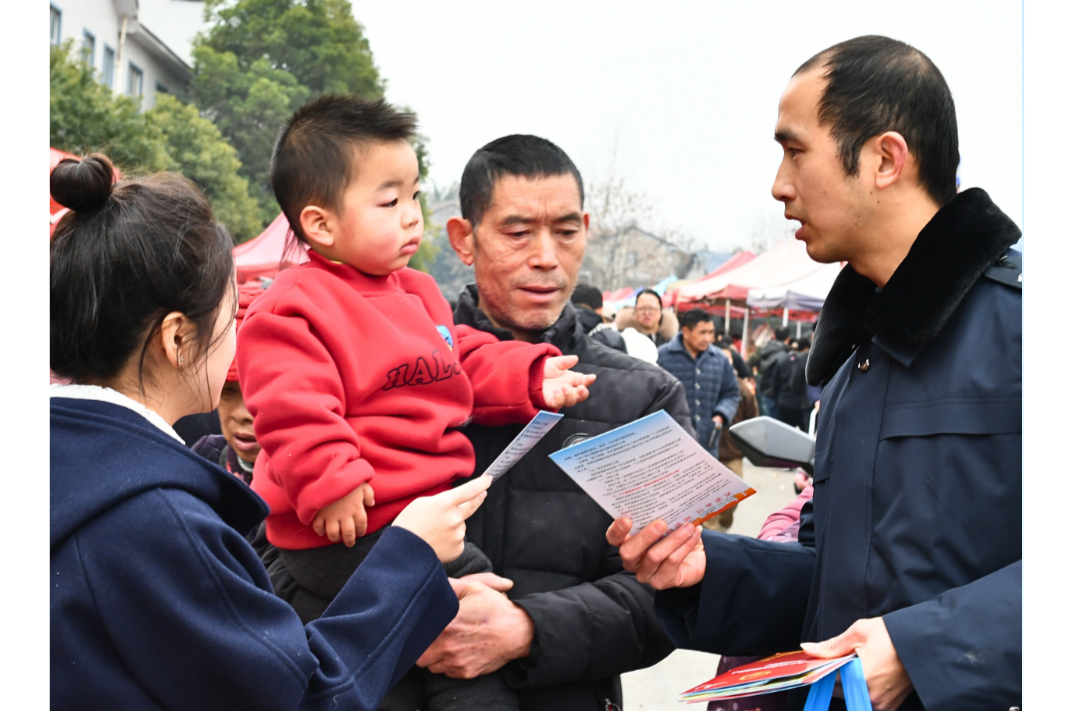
962	649
536	383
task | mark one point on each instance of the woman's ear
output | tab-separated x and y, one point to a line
177	337
318	224
459	232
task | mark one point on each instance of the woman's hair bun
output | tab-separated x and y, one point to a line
82	185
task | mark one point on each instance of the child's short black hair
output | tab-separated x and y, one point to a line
313	159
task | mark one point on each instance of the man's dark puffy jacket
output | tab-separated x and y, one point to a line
765	360
594	326
593	619
788	383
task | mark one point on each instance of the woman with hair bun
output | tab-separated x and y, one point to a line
157	600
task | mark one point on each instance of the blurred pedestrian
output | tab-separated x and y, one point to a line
763	361
789	385
650	320
729	453
235	449
712	389
589	302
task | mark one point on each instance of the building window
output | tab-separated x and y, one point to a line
54	25
135	77
88	47
160	88
108	61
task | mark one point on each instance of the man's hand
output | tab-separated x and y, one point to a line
346	518
562	386
719	421
487	632
886	678
677	561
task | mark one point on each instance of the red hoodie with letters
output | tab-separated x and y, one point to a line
353	378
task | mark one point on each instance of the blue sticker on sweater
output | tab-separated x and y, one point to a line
447	336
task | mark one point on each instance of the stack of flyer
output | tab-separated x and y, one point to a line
776	673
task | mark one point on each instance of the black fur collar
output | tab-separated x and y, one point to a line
956	247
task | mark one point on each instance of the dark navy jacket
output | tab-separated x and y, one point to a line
158	602
710	384
916	515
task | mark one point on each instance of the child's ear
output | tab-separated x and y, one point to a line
459	232
318	224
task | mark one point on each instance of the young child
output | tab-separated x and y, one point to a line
357	377
235	449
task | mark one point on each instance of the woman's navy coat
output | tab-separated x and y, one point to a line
158	602
916	515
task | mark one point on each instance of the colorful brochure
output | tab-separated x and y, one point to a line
787	670
526	440
652	469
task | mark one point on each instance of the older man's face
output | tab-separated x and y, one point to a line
529	247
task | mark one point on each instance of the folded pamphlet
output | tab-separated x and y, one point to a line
787	670
652	469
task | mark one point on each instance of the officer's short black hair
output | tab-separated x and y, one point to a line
587	295
521	155
875	84
690	319
782	334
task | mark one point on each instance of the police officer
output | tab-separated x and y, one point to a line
910	551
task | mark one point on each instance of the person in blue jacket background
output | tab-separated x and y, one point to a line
712	388
156	599
910	551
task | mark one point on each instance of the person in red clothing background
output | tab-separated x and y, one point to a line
357	377
236	448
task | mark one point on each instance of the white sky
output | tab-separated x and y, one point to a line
686	91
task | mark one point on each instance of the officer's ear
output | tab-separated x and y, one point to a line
459	232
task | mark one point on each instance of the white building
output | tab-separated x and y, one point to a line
138	47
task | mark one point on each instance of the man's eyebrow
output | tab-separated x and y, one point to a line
785	135
517	220
570	217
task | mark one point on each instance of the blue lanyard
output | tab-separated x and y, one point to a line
856	696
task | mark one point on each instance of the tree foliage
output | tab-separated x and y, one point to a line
197	151
262	59
85	116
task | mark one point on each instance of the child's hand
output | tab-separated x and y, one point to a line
440	519
562	386
346	518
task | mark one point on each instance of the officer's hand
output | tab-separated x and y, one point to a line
886	678
677	561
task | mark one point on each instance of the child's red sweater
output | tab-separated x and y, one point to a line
353	378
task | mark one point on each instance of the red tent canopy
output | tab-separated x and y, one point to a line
619	294
782	264
737	260
268	253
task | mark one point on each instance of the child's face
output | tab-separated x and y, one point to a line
237	424
380	223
